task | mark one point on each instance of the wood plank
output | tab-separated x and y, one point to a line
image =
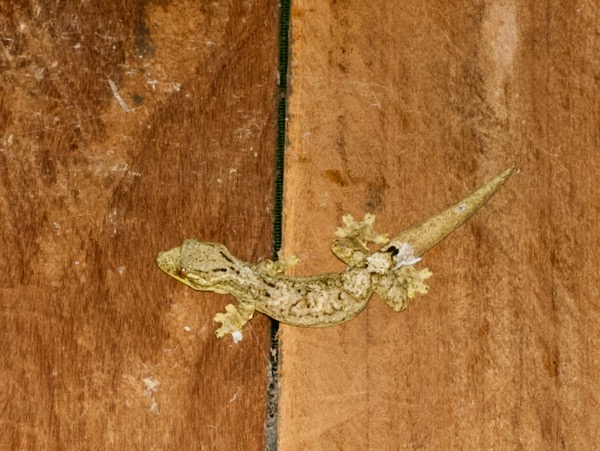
100	349
401	111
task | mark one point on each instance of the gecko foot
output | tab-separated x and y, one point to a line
233	320
402	284
279	266
352	245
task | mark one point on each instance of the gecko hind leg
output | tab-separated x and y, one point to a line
233	320
352	245
402	284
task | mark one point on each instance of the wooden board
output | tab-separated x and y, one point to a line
125	128
401	111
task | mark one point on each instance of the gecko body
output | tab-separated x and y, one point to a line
326	299
313	301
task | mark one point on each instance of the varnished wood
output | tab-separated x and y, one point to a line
100	350
401	111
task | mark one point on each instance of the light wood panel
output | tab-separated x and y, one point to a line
400	110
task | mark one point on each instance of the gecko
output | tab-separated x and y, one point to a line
327	299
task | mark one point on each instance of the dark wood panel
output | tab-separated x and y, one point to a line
125	128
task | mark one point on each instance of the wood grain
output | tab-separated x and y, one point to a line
100	350
401	111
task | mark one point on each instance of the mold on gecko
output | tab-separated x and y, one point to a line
326	299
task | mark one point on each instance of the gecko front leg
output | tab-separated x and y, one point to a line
279	266
233	320
352	245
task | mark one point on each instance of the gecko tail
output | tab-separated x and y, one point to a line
428	233
402	284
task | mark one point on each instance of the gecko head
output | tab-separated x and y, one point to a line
198	265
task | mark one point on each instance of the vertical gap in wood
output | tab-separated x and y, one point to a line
273	367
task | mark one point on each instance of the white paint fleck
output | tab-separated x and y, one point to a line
234	397
154	408
237	336
151	385
173	87
117	96
376	103
39	74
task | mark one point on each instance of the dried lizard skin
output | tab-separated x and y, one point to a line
326	299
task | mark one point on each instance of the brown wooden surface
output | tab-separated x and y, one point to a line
401	110
100	350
